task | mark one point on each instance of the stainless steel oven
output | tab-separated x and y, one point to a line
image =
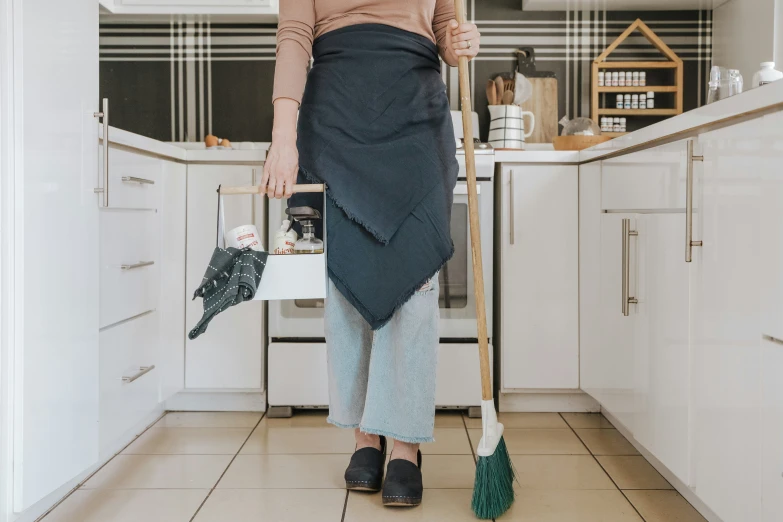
303	319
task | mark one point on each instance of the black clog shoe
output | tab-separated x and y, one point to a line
403	486
365	472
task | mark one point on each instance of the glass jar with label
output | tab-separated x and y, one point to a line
626	101
622	125
621	79
635	79
616	125
615	76
642	101
642	79
635	101
600	78
619	101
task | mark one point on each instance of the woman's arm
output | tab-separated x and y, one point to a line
452	37
294	47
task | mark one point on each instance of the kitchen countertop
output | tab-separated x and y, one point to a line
747	105
192	153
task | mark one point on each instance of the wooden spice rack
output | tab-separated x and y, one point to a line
672	62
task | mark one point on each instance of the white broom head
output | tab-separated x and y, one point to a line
492	429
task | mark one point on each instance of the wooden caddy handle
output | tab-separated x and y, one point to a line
256	189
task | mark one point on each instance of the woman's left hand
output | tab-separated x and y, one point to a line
461	40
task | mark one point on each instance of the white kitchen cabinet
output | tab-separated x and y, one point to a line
52	243
173	293
539	277
661	345
771	431
728	288
230	354
269	8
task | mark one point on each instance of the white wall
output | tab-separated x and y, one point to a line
743	34
779	33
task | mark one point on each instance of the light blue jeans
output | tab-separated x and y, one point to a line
383	382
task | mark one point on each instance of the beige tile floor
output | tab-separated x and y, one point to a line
237	467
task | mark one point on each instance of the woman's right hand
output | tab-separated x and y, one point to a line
281	168
282	160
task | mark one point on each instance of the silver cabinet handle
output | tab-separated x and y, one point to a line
626	266
511	206
137	265
143	370
689	242
105	115
141	181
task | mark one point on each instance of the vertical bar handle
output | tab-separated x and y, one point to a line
511	231
105	115
689	242
626	267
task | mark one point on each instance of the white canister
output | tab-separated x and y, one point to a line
507	126
643	101
619	101
635	101
623	123
627	101
642	79
650	100
615	78
600	78
767	74
621	79
635	79
245	236
616	125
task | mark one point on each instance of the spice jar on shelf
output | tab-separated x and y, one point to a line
619	101
600	78
626	101
650	100
642	79
635	101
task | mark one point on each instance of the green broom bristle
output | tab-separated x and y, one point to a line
493	492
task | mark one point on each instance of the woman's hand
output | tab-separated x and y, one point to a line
461	40
282	160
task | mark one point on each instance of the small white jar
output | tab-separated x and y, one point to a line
600	78
635	101
650	100
643	101
615	78
619	101
642	79
616	125
635	80
627	101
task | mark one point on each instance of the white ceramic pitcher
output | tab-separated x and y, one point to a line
507	126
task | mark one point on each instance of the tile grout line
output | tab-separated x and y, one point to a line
602	467
227	467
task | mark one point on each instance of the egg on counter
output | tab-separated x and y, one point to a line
225	143
211	141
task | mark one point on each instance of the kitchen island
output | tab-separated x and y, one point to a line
675	233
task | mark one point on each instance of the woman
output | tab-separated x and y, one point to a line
374	125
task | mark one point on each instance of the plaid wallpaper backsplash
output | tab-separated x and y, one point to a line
182	80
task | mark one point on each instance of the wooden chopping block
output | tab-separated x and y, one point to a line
543	104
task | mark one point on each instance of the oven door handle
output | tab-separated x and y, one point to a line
462	189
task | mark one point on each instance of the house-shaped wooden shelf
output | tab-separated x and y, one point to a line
672	62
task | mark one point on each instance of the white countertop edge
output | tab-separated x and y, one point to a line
566	157
136	141
758	99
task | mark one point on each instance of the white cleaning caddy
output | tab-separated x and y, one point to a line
288	276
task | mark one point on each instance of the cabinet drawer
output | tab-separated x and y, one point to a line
129	264
651	179
127	394
134	179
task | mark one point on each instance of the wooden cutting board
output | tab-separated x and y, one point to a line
543	104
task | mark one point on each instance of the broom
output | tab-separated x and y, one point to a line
493	492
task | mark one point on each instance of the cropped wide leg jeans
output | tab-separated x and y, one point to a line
383	381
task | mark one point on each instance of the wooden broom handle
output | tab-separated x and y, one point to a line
257	189
475	229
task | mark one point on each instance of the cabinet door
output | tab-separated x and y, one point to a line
615	364
54	299
726	332
662	362
173	288
771	431
230	353
539	270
